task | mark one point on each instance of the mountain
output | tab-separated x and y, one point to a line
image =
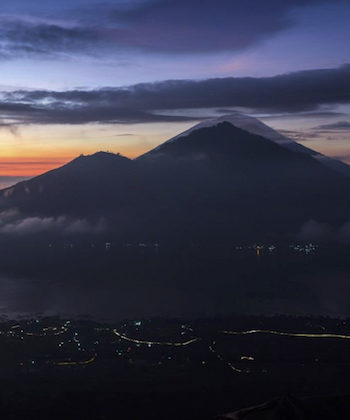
250	124
86	185
255	126
227	181
233	177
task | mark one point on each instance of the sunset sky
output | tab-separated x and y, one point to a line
78	76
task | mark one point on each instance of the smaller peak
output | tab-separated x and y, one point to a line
99	159
101	155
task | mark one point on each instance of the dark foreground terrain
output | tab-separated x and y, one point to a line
163	339
173	368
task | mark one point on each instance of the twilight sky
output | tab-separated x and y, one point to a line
85	75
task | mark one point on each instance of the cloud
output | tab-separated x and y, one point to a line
11	222
203	25
307	114
339	125
148	102
6	181
343	233
9	126
313	230
95	109
8	216
21	37
317	231
299	135
171	26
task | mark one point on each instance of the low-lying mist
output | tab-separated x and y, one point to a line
145	281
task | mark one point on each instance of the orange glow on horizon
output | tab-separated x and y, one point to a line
28	167
33	166
38	149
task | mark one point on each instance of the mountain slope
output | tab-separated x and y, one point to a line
224	179
255	126
250	124
86	185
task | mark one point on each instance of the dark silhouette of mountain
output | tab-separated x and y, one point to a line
214	181
255	126
225	179
86	185
290	408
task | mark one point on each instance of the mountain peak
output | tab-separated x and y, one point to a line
254	126
98	159
246	123
101	155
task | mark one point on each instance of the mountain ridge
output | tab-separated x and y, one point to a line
238	120
255	126
214	181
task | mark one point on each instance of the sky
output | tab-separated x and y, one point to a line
78	76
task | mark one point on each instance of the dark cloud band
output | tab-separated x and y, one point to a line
171	26
340	125
294	92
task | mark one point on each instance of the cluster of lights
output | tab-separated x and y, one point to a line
306	249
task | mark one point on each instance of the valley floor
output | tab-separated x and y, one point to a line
167	368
